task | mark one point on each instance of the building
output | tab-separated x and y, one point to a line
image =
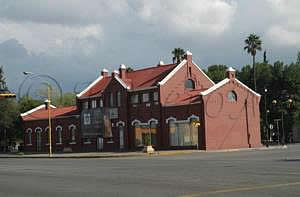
173	106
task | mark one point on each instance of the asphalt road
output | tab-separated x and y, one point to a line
245	173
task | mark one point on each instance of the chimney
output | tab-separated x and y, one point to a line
122	71
230	73
160	63
114	73
188	56
47	104
104	73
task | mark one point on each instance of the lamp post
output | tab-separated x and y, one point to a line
266	117
280	104
47	102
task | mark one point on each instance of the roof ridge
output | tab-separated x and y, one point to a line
147	68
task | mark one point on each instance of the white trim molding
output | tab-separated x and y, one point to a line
71	126
182	121
120	123
122	82
38	128
152	120
135	121
28	130
57	127
36	109
90	86
172	73
170	118
203	73
216	86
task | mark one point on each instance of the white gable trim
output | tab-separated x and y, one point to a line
213	88
35	109
223	82
122	83
172	73
90	86
203	73
252	91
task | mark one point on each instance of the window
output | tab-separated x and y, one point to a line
85	105
72	134
87	118
155	96
58	135
134	98
232	97
29	137
119	99
111	99
101	102
47	135
146	97
189	84
145	134
94	104
182	134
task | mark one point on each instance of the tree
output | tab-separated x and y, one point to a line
216	72
178	55
253	44
298	58
8	115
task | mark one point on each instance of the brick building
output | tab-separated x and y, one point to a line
175	106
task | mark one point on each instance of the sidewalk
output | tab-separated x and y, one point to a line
127	154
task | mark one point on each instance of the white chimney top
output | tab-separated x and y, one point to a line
122	66
188	53
116	72
105	70
230	69
161	63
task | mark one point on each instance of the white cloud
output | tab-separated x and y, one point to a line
40	38
193	16
286	30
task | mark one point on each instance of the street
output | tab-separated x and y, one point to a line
240	173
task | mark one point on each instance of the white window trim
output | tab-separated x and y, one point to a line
28	130
38	128
120	123
94	103
182	121
148	97
144	123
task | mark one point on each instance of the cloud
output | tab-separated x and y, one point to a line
286	30
194	16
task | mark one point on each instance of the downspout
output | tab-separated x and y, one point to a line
247	123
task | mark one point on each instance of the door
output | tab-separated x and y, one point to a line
99	144
121	129
38	142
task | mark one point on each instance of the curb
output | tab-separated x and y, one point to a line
155	154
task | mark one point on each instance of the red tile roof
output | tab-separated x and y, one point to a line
97	88
42	113
149	77
142	78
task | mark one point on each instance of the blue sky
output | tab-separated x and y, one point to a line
73	40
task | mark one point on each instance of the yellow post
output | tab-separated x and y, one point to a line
49	117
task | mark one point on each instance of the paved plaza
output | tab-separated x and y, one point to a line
274	172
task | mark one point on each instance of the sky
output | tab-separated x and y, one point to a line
73	40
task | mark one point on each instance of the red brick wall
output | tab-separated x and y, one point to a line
174	87
228	124
43	124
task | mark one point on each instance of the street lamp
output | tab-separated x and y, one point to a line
47	102
280	104
266	117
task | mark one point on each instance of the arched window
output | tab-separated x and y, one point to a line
232	97
189	84
72	130
58	135
29	136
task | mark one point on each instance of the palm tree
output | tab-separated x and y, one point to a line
253	43
178	55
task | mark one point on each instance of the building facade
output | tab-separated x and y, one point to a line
173	106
